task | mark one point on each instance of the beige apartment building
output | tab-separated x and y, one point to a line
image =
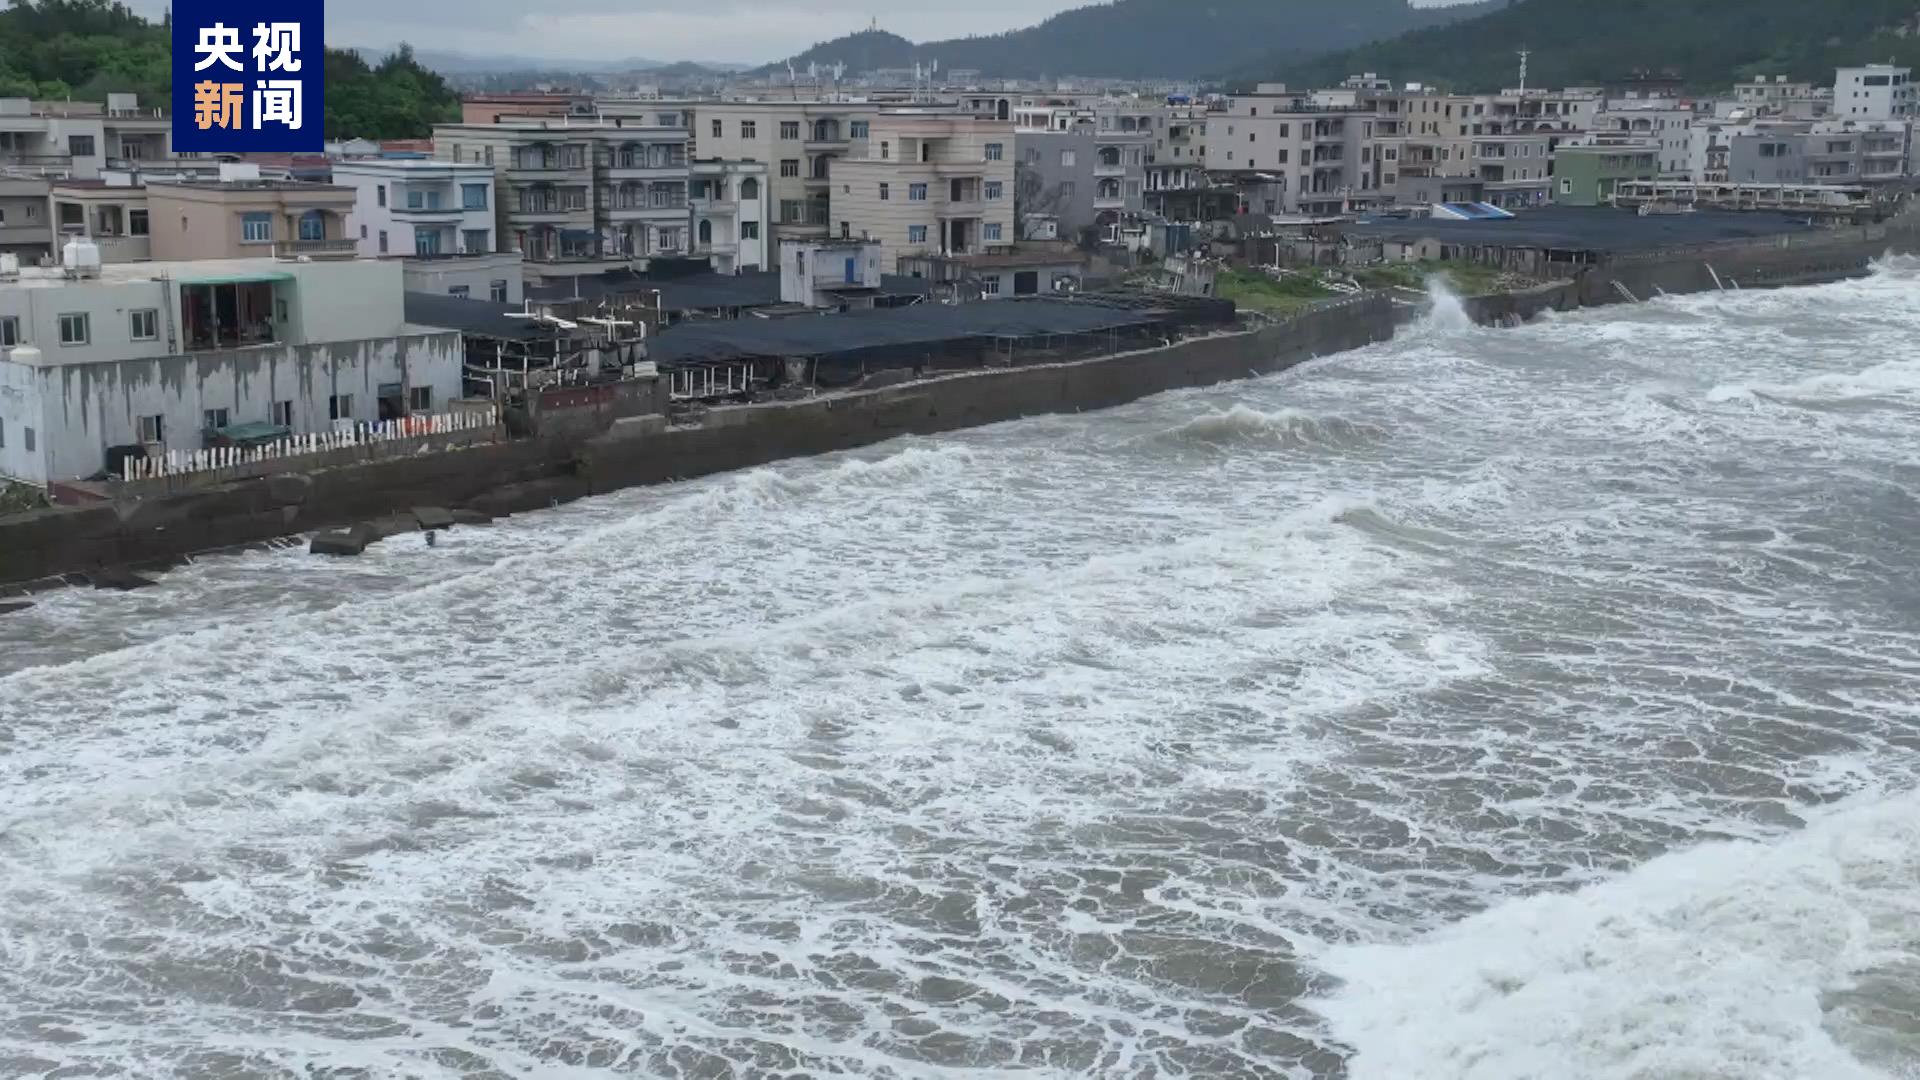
1493	147
240	219
929	183
800	142
1301	155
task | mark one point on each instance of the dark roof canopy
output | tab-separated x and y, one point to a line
826	335
481	318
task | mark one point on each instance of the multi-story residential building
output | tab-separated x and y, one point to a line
730	204
1493	147
1085	169
929	182
238	218
1586	175
160	355
419	206
799	142
1295	155
1770	152
588	192
241	216
25	228
80	138
1176	165
1662	124
1764	93
1874	92
115	216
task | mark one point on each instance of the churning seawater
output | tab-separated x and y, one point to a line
1495	704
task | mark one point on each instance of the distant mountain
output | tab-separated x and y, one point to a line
1710	44
1145	38
449	62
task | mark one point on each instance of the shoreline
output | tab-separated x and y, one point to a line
103	543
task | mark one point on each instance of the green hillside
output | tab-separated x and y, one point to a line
1708	43
1145	38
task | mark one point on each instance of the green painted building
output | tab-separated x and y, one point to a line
1586	175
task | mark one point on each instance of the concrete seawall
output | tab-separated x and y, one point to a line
516	476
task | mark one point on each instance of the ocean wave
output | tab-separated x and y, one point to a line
1285	427
1889	379
1730	960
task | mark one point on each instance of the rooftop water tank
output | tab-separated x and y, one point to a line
81	257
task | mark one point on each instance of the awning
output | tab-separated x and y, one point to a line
238	279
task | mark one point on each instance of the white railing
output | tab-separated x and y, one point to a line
348	435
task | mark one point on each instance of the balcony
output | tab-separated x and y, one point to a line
959	169
638	165
41	164
960	208
1102	168
675	208
714	207
544	209
534	164
442	212
338	248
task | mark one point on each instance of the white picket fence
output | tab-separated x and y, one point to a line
179	462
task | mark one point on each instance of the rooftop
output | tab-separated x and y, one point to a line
409	165
698	342
482	318
257	185
185	272
1597	229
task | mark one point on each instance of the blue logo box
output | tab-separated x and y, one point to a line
248	76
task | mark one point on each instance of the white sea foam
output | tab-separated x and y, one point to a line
1723	961
1056	747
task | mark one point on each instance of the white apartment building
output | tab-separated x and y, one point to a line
77	139
730	201
799	143
1874	92
929	182
419	207
159	354
1664	126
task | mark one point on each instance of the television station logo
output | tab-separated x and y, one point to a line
247	76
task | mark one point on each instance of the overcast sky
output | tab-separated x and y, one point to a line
740	31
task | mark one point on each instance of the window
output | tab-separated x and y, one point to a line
282	413
995	151
383	241
990	231
858	129
1067	159
1250	136
791	212
747	129
883	149
1282	160
80	145
1566	186
883	191
473	196
719	129
497	290
213	419
420	399
145	324
749	230
74	329
462	291
152	428
426	241
256	228
916	193
313	226
340	407
136	223
473	241
26	438
916	234
749	189
9	331
789	129
416	200
789	167
993	189
380	194
990	286
1066	189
